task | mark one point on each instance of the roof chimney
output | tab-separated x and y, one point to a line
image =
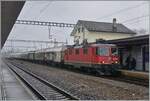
114	27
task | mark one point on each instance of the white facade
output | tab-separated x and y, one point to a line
92	36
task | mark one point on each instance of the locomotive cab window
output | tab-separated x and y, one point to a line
114	51
104	51
77	51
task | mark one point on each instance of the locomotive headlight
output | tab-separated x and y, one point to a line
116	61
103	62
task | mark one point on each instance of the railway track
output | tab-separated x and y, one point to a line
41	88
85	86
131	80
121	78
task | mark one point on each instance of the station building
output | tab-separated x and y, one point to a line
91	31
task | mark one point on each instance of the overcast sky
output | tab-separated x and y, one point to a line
126	12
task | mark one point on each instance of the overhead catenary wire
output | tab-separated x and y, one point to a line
133	19
28	9
44	8
134	22
121	11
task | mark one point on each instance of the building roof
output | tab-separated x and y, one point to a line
104	27
136	40
130	41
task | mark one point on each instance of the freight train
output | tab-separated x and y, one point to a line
101	59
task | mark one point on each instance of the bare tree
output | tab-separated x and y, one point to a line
140	31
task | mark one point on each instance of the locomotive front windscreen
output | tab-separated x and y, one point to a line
103	51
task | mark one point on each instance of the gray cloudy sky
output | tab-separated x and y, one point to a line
126	12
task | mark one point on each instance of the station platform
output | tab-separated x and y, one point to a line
135	74
11	87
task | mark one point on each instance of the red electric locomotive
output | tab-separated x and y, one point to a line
102	59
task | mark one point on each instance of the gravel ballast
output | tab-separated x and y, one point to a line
88	87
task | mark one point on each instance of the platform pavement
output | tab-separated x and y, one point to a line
0	89
12	87
136	74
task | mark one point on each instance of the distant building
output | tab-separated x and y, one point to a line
91	31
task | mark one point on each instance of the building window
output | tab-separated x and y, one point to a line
77	51
85	50
82	29
78	30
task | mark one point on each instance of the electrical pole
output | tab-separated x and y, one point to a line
66	42
49	30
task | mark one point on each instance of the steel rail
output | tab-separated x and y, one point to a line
36	92
61	91
121	78
131	80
